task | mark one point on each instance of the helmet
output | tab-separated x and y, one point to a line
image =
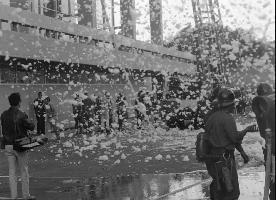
264	89
226	98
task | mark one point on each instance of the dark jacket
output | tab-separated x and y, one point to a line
39	107
87	106
267	119
15	125
222	130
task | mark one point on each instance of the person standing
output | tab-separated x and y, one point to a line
107	113
51	118
98	112
15	125
121	105
140	108
223	137
40	113
264	108
77	109
87	110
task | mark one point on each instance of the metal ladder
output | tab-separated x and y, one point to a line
208	22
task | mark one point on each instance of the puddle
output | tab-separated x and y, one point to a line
142	187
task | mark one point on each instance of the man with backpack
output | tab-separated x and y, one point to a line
15	125
223	137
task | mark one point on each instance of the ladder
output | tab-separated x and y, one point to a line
208	23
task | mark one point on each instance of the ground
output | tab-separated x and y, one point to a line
121	155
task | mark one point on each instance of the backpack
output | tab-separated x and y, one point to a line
203	146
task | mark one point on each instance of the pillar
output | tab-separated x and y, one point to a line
87	13
128	21
156	21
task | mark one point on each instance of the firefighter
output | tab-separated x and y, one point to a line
87	112
40	113
223	137
107	113
264	108
77	111
140	109
98	112
121	105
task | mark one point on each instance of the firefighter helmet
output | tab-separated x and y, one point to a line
264	89
226	98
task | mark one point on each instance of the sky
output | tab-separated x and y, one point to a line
177	14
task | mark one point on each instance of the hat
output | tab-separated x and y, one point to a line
264	89
226	98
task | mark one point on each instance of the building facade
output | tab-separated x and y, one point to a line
59	58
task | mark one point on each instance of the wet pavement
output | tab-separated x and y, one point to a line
142	187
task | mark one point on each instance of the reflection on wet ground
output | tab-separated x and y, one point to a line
141	187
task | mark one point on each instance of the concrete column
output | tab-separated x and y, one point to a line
156	21
69	7
127	20
24	4
87	13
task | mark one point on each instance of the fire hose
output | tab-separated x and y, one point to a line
269	173
204	182
207	181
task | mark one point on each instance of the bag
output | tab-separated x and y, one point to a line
27	143
203	146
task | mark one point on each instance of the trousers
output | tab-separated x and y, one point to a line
18	160
218	190
272	185
40	125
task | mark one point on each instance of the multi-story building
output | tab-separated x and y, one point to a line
41	52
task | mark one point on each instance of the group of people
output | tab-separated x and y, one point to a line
98	113
219	124
223	138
